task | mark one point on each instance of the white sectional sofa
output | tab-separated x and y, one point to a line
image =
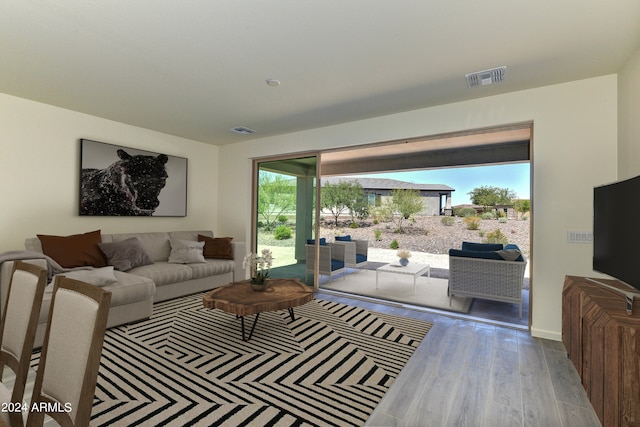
136	289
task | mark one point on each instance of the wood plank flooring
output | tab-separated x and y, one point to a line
468	373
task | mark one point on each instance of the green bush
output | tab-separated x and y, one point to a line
282	218
378	234
282	232
496	236
394	244
354	225
447	220
488	215
465	212
472	222
502	220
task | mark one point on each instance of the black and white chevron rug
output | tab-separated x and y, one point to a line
188	365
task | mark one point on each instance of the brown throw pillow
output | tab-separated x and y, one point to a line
77	250
216	247
126	254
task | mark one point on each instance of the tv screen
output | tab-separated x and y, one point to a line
616	230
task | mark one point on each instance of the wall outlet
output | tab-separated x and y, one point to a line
579	236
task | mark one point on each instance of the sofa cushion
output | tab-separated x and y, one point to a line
346	238
217	247
127	289
472	246
185	251
212	267
336	264
125	255
77	250
96	276
164	273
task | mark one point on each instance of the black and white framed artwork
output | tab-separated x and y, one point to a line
122	181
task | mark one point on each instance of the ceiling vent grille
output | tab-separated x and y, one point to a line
486	77
242	130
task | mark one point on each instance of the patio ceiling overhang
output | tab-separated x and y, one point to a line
478	147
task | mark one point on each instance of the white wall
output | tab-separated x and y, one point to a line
39	173
628	123
574	149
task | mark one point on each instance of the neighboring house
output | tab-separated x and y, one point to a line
436	197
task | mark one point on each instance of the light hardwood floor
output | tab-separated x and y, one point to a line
468	373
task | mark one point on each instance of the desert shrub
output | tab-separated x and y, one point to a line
382	214
465	212
447	220
502	220
488	215
394	244
354	225
378	234
496	236
472	222
282	232
282	218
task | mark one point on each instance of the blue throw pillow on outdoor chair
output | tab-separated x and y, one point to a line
472	246
323	241
346	238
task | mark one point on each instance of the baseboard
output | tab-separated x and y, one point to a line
550	335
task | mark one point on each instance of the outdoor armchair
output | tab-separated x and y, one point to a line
487	271
332	259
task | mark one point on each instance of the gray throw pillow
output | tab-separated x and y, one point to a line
186	251
126	254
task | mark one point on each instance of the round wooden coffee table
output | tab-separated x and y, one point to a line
238	298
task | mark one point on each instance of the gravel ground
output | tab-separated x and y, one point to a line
429	235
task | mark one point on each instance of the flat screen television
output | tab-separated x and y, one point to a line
616	230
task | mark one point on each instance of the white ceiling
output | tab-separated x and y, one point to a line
195	68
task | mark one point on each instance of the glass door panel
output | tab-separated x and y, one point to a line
285	213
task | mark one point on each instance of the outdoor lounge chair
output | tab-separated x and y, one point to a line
481	271
356	251
332	259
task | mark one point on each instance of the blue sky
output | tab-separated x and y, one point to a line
464	179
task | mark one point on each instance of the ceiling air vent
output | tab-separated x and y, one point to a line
486	77
242	130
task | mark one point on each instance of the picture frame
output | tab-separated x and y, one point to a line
124	181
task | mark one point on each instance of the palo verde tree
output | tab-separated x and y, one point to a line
489	196
404	204
358	203
343	196
276	195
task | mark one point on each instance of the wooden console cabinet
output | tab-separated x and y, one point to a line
603	342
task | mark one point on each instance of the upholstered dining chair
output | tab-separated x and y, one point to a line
68	368
18	332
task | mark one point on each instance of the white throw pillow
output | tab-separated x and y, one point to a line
94	276
186	251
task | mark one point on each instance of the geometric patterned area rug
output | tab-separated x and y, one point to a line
188	365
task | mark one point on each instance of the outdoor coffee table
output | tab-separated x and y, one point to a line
238	298
413	268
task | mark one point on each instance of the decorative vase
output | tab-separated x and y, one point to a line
259	284
404	261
